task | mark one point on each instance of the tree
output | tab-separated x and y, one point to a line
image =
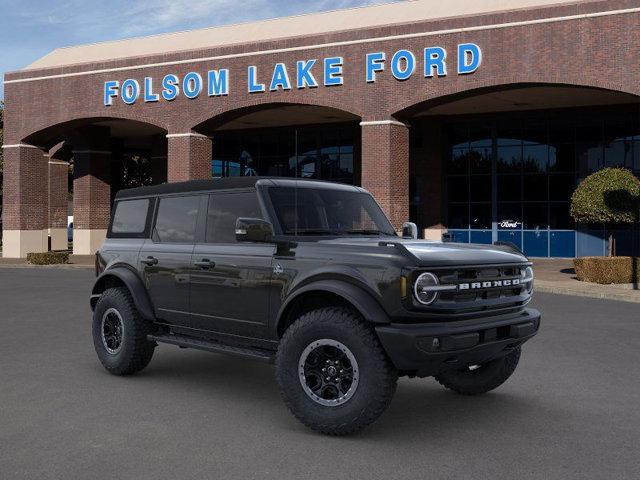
609	196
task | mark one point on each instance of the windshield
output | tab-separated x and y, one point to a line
318	211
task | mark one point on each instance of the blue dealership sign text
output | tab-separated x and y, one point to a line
308	73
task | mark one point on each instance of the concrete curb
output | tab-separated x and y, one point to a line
588	290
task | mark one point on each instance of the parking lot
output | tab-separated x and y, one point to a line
569	411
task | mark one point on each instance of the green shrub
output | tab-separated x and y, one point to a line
607	270
611	195
48	258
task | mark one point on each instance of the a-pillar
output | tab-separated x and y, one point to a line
189	157
25	212
91	191
385	167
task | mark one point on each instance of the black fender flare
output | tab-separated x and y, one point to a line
364	302
133	283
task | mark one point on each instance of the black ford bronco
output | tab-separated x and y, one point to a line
311	276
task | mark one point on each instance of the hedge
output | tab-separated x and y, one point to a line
607	270
48	258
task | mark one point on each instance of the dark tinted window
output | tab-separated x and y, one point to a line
176	219
130	216
224	210
311	211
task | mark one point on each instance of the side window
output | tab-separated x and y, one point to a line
130	216
176	219
224	209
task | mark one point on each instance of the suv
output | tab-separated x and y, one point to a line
310	276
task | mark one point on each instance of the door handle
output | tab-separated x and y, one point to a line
149	261
205	263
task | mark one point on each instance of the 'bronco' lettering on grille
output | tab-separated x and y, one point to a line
511	282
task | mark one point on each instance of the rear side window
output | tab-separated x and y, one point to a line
176	220
224	209
130	217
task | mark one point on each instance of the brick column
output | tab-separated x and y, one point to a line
91	199
159	159
58	191
189	157
385	167
24	201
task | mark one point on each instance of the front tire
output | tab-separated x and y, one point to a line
480	378
332	372
120	333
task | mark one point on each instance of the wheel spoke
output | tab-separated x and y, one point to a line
328	372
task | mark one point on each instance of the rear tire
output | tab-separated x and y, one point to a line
120	333
482	379
359	381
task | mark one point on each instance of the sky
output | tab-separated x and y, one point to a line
29	29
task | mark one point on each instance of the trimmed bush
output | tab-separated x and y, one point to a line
48	258
611	195
607	270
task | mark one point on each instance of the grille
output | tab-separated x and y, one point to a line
484	298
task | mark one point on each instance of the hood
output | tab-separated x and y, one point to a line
439	254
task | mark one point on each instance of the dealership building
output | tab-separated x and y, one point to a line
474	119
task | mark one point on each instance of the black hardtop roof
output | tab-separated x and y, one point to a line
227	183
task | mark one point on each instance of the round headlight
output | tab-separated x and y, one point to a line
527	278
423	288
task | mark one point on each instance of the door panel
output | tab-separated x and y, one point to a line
231	293
167	281
230	281
165	260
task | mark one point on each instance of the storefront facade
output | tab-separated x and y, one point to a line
472	122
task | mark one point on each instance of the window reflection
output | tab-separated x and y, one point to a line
323	152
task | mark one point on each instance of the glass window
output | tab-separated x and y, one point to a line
458	216
535	158
510	216
535	216
223	211
481	188
480	216
535	188
459	161
458	189
618	154
480	159
130	216
509	187
176	219
509	159
311	211
562	158
559	217
561	187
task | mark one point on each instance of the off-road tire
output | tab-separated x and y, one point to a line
377	376
136	351
482	380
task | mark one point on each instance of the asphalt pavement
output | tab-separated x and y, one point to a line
569	412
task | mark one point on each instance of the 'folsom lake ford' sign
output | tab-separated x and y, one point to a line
310	73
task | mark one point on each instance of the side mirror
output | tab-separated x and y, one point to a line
253	230
409	230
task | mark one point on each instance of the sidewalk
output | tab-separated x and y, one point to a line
558	276
75	261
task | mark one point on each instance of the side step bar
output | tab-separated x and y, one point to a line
216	347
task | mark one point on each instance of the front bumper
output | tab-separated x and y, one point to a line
426	349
